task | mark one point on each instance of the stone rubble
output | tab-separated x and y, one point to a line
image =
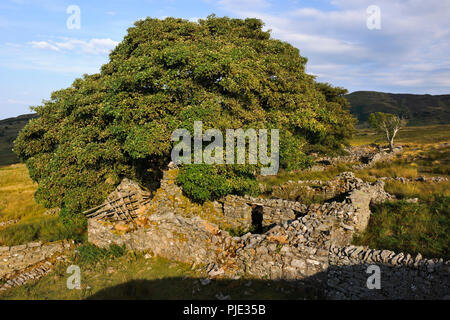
360	156
24	263
337	187
8	223
417	179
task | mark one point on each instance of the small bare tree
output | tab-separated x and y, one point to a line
387	124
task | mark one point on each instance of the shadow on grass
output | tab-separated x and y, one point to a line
204	289
337	282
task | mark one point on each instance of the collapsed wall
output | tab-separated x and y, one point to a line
359	156
305	244
28	262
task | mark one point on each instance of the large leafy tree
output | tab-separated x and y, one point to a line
165	75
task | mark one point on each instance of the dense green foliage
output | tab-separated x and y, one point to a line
419	109
164	75
410	227
205	182
88	253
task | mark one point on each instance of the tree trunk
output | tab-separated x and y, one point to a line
391	144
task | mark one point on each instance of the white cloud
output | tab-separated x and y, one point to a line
409	52
93	46
20	102
43	45
314	43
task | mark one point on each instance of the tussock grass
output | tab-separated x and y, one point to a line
410	227
389	169
43	229
426	191
417	160
90	254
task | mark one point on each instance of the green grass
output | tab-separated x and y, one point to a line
410	227
414	162
90	254
434	161
426	191
17	203
45	229
415	135
131	276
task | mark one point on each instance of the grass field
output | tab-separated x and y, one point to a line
17	194
17	203
409	135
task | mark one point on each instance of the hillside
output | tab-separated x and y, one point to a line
420	109
9	129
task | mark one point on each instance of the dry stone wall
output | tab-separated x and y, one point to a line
23	263
303	244
402	276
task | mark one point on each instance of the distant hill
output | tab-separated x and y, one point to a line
9	129
420	109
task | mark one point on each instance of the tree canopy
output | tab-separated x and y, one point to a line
164	75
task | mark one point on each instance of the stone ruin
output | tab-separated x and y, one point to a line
360	156
308	245
334	190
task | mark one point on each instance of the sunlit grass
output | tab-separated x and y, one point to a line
417	135
17	203
426	191
391	170
45	229
17	194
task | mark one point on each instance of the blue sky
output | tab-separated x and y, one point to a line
409	53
